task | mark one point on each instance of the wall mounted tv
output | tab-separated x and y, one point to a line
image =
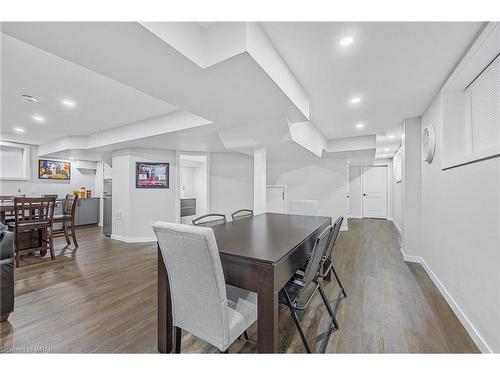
54	170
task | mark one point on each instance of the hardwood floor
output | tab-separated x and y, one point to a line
102	298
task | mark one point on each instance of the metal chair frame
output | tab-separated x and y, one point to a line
222	218
241	214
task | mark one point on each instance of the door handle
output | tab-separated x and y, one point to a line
364	195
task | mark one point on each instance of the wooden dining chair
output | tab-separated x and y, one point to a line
67	218
210	219
297	289
242	214
30	215
7	216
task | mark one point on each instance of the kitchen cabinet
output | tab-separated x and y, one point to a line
87	211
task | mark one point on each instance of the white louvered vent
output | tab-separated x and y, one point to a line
484	96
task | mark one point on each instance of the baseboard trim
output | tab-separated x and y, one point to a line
411	258
355	217
469	327
396	225
132	239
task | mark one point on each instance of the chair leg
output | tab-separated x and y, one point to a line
178	339
338	281
66	236
328	306
246	335
51	243
295	318
73	233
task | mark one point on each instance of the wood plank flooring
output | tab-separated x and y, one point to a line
101	298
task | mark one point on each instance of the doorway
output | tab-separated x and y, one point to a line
193	186
374	191
276	199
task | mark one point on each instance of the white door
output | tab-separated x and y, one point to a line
275	198
375	192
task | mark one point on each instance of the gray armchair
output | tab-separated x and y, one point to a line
6	273
202	303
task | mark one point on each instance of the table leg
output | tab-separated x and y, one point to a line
164	308
267	321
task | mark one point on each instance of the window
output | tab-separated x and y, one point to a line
471	104
14	161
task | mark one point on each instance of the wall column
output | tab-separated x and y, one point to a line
259	181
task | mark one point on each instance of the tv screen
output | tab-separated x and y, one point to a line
54	170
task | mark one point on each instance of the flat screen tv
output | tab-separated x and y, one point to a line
151	175
54	170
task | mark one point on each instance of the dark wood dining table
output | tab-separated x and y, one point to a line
260	254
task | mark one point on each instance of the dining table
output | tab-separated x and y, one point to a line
260	254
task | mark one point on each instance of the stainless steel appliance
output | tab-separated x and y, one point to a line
107	200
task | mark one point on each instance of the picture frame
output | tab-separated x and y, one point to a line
152	175
54	170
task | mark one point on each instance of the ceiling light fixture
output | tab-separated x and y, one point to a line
391	137
344	42
29	98
360	126
68	103
38	118
355	100
19	130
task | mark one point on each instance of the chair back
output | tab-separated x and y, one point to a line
70	205
33	209
197	285
210	219
6	198
335	233
315	260
242	214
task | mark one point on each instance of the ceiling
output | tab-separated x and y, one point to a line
100	102
395	68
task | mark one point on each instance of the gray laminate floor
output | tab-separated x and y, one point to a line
102	298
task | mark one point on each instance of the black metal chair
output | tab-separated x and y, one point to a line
327	256
242	214
295	289
210	219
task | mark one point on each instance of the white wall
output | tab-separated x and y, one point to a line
36	187
396	200
411	190
187	182
231	182
311	178
461	237
355	191
141	207
259	181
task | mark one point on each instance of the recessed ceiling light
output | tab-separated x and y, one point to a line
344	42
38	118
19	130
355	100
386	149
391	137
29	98
68	103
360	126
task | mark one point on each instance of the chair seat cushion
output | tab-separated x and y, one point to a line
62	217
29	225
242	310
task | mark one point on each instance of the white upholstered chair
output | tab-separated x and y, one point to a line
202	303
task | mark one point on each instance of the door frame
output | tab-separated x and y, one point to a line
386	190
178	181
285	195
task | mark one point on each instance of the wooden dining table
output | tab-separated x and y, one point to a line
260	254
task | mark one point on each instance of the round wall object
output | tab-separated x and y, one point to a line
428	143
